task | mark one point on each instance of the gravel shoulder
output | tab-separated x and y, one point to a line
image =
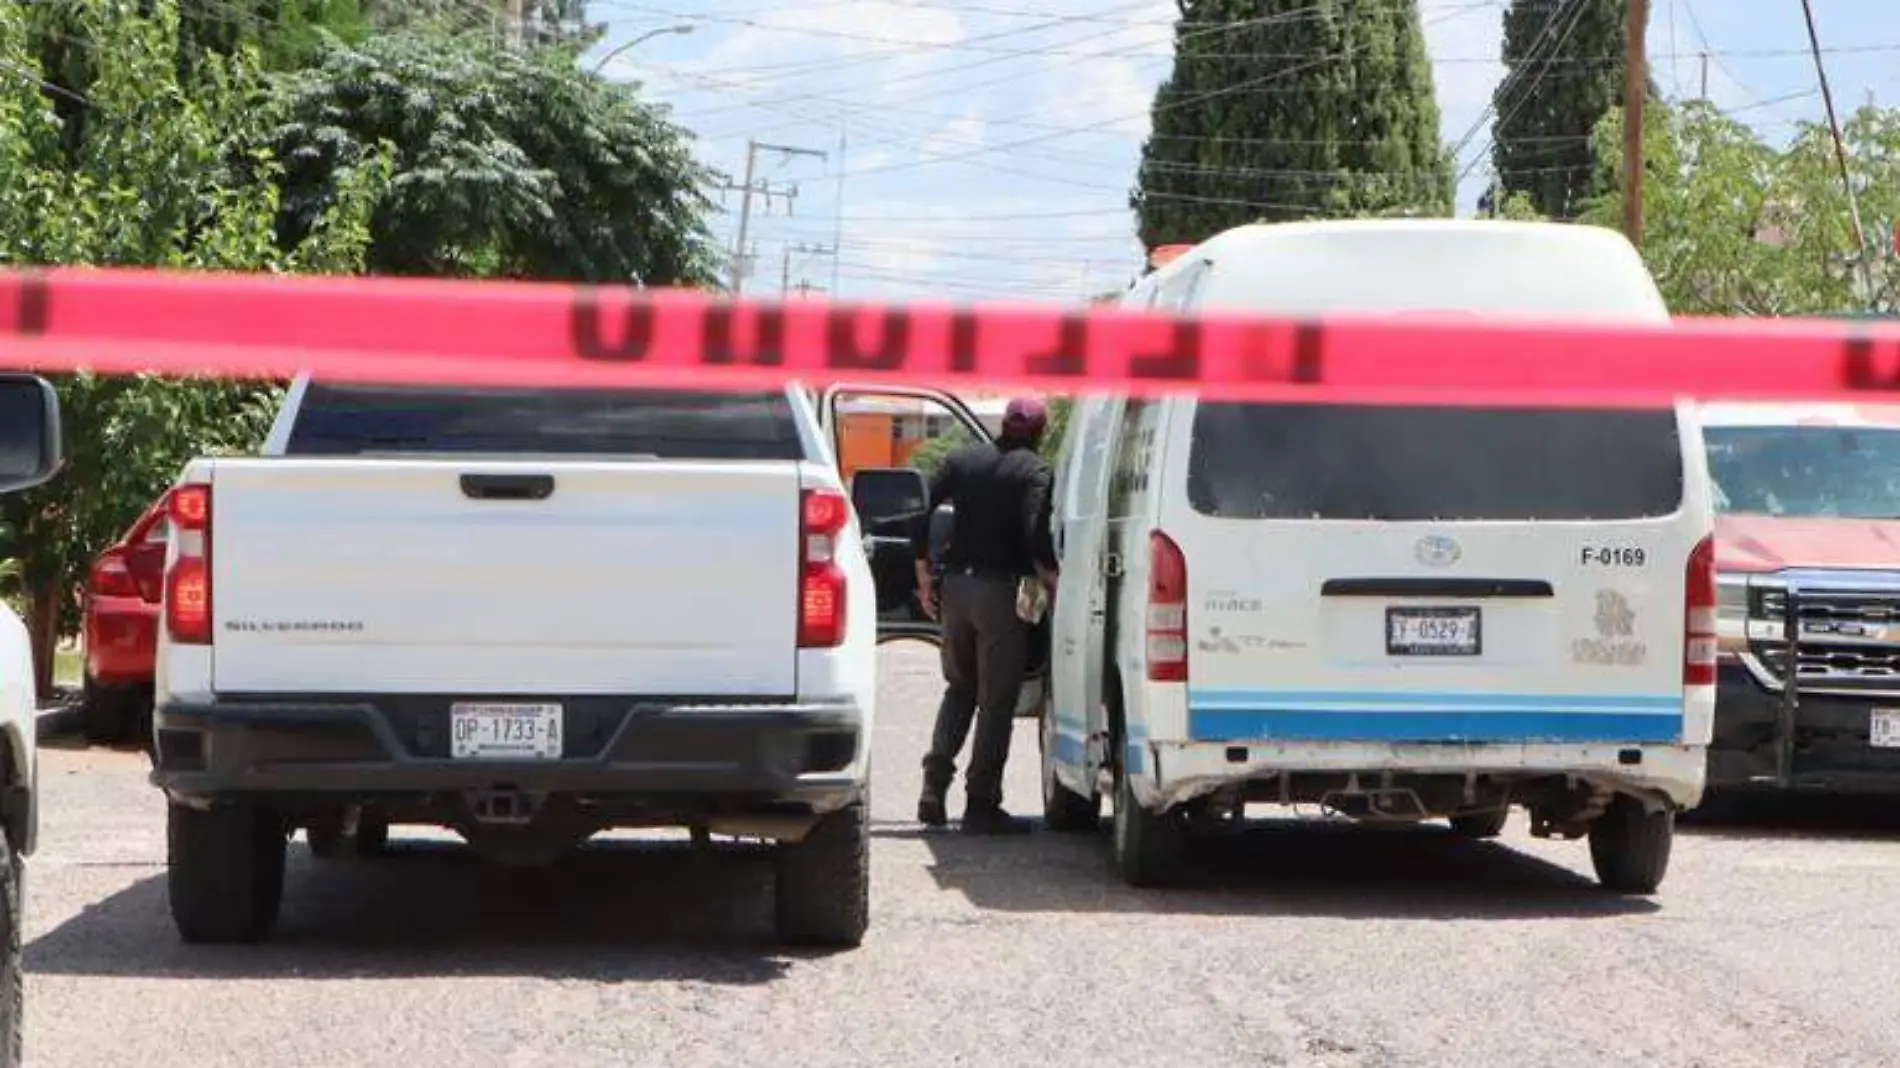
1771	944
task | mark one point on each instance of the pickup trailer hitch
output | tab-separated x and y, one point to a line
503	805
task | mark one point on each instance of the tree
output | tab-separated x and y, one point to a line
1563	62
1737	226
285	34
1291	109
508	163
164	170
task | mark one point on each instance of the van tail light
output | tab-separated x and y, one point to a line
111	577
188	580
1167	610
1700	614
822	517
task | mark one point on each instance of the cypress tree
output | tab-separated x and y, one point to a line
1564	68
1291	109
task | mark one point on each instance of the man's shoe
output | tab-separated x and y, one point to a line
993	821
930	811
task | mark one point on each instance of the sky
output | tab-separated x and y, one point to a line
983	149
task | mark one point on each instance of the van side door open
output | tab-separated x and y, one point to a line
1081	610
889	499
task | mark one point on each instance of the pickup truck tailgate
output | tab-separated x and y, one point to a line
456	576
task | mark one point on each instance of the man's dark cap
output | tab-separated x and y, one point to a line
1025	416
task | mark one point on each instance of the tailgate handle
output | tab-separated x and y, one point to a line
508	487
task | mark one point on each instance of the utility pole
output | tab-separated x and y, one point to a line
1705	78
837	225
749	187
785	266
1635	92
517	22
1863	255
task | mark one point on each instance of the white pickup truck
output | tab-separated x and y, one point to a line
527	615
29	456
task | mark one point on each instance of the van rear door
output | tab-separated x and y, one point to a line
1420	574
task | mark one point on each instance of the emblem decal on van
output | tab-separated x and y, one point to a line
1437	551
1219	641
1615	643
1230	601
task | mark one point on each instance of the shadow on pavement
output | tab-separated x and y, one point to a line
1777	815
1282	868
615	911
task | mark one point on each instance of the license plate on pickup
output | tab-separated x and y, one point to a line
1433	632
505	731
1883	728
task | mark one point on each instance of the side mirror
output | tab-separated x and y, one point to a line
884	494
29	432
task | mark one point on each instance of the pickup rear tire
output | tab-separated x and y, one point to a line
1629	846
225	871
823	894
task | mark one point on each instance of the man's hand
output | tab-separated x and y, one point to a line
927	591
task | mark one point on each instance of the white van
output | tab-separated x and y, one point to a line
1396	613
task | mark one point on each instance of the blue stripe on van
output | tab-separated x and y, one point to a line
1242	715
1070	750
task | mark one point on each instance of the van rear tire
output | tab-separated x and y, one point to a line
1063	809
1629	846
1150	847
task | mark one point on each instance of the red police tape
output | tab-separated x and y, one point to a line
493	333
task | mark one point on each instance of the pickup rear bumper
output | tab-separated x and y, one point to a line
1824	749
682	757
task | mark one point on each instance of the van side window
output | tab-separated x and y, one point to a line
1133	456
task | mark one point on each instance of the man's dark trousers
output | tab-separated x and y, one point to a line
985	649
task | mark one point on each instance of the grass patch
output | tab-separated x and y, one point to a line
68	666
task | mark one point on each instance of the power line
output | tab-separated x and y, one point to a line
1188	101
1840	148
1577	9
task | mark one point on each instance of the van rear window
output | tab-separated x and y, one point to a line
350	420
1315	461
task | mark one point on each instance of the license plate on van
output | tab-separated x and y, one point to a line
1433	632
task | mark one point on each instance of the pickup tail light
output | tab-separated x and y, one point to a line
111	577
1167	610
823	515
1701	614
188	580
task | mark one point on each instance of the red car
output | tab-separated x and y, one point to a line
121	628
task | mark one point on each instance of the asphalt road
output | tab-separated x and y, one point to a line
1773	945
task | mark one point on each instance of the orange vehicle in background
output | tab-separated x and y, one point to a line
888	432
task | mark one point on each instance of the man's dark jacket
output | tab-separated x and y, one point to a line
1001	494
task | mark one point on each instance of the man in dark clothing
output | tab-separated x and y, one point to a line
1000	536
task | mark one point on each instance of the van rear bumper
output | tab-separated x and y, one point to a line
740	755
1180	771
